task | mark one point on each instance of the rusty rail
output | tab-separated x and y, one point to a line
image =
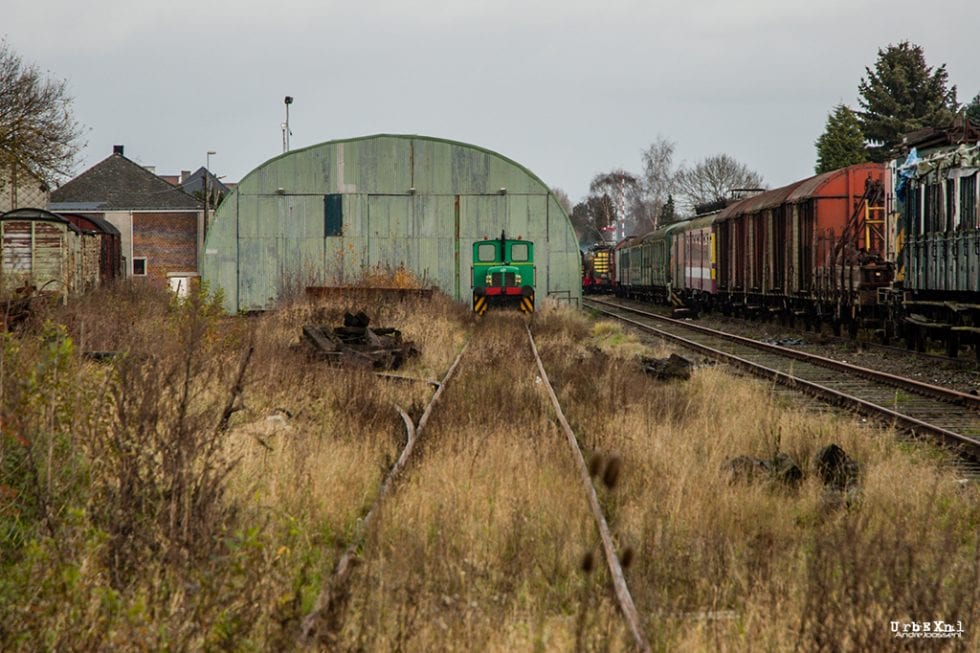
959	442
626	605
317	626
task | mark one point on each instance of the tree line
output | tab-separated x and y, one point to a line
899	95
662	193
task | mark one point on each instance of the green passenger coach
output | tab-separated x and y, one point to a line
503	274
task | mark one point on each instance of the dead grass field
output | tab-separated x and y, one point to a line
130	521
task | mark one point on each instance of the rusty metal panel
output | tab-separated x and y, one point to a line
972	251
34	252
91	260
17	248
50	257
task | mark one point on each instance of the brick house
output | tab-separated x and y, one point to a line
162	227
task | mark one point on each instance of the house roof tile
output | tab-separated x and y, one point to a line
117	183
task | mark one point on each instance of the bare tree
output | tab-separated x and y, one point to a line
659	181
622	188
37	130
591	219
713	179
564	201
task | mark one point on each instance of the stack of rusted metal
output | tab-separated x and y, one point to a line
355	344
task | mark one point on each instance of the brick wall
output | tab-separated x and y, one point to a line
168	241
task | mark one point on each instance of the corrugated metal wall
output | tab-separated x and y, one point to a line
407	201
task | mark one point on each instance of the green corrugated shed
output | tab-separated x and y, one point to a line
409	201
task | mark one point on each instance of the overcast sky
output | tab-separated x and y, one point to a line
566	88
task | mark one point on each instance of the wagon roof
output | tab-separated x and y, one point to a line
702	220
101	224
33	214
658	234
794	193
762	201
626	242
810	187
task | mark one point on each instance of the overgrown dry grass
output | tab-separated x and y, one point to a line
748	566
131	519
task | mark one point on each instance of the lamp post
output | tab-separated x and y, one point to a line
207	194
285	126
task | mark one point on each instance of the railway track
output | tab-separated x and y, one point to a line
623	596
948	416
320	625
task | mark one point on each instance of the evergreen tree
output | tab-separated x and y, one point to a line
900	95
973	109
842	143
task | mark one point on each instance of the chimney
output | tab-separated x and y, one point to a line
117	149
184	176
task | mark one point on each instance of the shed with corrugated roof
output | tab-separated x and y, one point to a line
328	214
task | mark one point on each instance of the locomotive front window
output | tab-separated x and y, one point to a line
519	252
486	252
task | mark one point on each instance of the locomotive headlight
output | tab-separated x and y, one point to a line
489	280
517	279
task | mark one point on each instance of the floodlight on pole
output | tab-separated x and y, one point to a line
285	126
207	192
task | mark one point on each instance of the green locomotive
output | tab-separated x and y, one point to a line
503	274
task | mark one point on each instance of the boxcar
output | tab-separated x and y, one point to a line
694	256
817	248
44	252
938	290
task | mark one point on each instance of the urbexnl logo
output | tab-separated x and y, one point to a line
938	629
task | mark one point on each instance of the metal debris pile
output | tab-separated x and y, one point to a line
355	344
838	472
666	369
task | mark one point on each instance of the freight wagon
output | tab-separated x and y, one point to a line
44	252
831	249
816	250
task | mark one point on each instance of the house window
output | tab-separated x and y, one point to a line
333	215
139	266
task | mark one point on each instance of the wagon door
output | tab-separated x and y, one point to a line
780	246
805	258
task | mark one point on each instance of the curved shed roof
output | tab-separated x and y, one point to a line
325	214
